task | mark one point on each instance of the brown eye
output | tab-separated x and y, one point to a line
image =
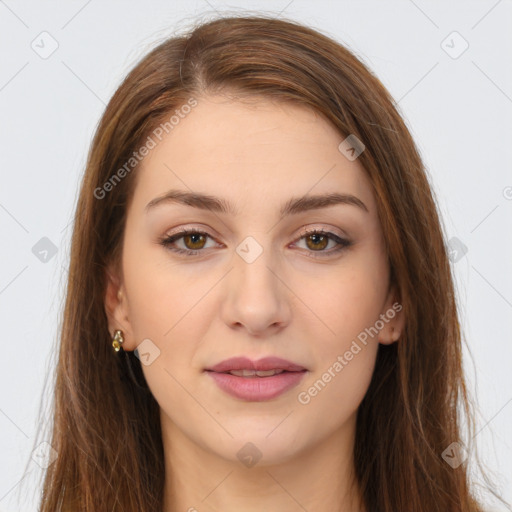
194	241
319	241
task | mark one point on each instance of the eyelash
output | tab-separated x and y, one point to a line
342	242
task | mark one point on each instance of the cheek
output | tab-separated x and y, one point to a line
167	305
329	401
345	354
160	293
351	303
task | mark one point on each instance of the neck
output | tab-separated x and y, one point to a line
319	478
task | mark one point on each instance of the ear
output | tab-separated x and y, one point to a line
394	318
116	308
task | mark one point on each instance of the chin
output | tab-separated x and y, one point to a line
266	443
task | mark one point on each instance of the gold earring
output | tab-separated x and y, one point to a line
117	340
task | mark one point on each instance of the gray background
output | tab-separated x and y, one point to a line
457	105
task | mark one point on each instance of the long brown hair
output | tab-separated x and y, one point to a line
106	431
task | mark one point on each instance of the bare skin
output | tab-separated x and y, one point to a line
200	309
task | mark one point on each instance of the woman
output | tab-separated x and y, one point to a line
260	312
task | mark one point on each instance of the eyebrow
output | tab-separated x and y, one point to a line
293	206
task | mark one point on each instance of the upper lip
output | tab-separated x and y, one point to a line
266	363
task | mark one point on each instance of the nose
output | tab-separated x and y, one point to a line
256	295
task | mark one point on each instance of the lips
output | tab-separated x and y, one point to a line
256	381
255	373
265	364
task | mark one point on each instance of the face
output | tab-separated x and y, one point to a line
310	287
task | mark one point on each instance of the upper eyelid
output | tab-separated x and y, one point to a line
304	231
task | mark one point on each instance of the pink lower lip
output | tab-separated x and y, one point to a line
257	389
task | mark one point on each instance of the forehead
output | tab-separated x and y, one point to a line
249	152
